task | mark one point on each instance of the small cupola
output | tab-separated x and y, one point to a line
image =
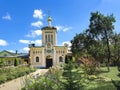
49	21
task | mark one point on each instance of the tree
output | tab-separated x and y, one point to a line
96	40
79	45
100	28
15	62
115	48
74	77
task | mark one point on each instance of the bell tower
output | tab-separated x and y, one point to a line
49	34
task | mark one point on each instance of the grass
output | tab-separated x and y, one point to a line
113	74
113	82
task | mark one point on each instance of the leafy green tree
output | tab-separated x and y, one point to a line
79	45
100	28
115	48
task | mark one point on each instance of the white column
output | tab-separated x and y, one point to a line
43	58
54	57
46	38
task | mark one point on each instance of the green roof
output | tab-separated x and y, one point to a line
6	53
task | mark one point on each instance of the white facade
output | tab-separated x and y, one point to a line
49	54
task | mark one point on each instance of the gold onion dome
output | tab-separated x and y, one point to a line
49	19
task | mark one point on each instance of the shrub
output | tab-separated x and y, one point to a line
49	81
90	65
3	78
12	73
10	77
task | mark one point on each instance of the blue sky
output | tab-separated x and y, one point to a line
21	20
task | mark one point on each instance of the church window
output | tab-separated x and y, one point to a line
33	52
37	59
52	39
20	61
60	59
46	38
9	62
49	38
5	55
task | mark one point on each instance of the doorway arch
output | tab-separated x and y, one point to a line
49	62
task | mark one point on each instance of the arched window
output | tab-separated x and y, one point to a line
33	52
45	38
37	59
60	59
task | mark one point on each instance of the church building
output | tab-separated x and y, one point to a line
49	54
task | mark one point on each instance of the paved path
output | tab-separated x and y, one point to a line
18	83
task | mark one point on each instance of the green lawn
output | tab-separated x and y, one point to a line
111	82
113	74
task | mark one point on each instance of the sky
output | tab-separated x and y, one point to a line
21	20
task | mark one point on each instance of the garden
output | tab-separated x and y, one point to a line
9	73
74	77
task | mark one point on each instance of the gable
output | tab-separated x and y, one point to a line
5	53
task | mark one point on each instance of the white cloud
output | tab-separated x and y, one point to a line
24	41
38	14
36	42
25	50
66	29
34	33
11	51
37	24
7	17
59	28
67	42
3	42
63	28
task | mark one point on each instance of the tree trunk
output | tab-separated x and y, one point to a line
108	49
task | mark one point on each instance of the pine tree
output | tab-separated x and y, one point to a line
73	76
15	62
